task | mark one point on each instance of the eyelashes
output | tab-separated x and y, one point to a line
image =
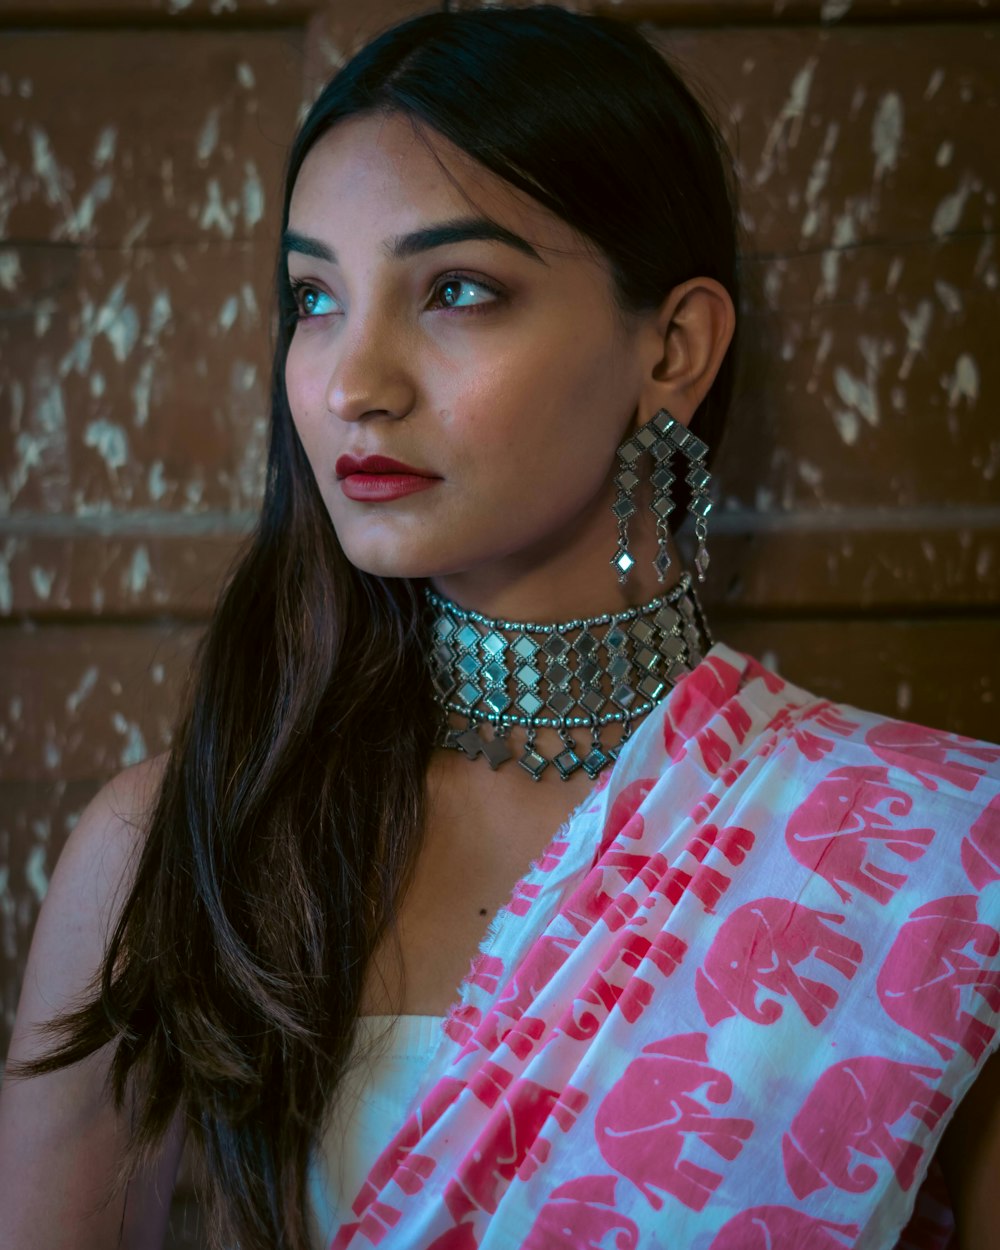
300	289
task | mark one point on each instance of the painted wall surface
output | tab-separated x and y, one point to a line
856	544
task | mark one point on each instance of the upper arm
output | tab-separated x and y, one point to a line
61	1139
970	1158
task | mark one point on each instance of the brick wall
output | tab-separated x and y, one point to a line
857	541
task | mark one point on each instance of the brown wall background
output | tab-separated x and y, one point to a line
856	544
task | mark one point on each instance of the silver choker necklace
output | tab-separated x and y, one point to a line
577	674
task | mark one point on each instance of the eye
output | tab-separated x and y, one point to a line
464	294
309	301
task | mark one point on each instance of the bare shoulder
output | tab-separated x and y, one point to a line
110	830
61	1139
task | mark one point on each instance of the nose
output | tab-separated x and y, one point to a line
370	373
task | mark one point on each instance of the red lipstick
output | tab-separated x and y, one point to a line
378	478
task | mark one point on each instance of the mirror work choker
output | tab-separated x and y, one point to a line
579	674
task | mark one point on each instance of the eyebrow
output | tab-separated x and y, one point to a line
458	230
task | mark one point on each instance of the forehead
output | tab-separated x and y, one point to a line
381	174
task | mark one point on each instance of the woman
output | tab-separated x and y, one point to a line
737	998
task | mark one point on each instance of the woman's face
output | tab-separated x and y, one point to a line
498	366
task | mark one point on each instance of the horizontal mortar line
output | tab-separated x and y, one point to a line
922	522
150	524
146	523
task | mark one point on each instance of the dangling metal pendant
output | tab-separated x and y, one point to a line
579	674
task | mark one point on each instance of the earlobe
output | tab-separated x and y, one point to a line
693	330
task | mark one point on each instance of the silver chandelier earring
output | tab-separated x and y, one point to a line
661	437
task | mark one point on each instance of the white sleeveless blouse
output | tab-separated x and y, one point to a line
376	1094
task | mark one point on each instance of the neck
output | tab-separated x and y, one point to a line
569	575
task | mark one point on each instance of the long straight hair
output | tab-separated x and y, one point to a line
289	815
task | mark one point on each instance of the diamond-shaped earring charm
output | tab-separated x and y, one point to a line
624	506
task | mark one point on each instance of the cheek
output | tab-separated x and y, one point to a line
305	398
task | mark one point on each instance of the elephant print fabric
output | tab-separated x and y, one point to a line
733	1005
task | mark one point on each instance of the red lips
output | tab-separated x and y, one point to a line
346	465
380	479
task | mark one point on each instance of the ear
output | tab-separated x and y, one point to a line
685	341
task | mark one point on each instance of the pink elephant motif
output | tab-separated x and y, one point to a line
759	947
601	895
782	1228
927	972
461	1237
850	1111
832	831
927	754
696	699
510	1145
981	849
513	1009
582	1215
623	818
658	1103
616	982
733	842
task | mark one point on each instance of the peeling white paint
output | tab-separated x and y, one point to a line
934	84
847	424
109	440
245	75
96	384
41	580
944	154
208	138
844	235
785	129
157	483
79	222
141	391
904	696
215	213
43	316
134	751
253	195
818	176
116	319
160	313
857	394
917	323
887	133
949	212
950	296
83	690
964	383
6	589
834	10
136	231
10	269
228	313
136	577
47	169
894	274
34	872
104	148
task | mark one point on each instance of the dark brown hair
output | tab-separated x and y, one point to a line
290	811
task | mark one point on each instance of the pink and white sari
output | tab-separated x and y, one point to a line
733	1004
